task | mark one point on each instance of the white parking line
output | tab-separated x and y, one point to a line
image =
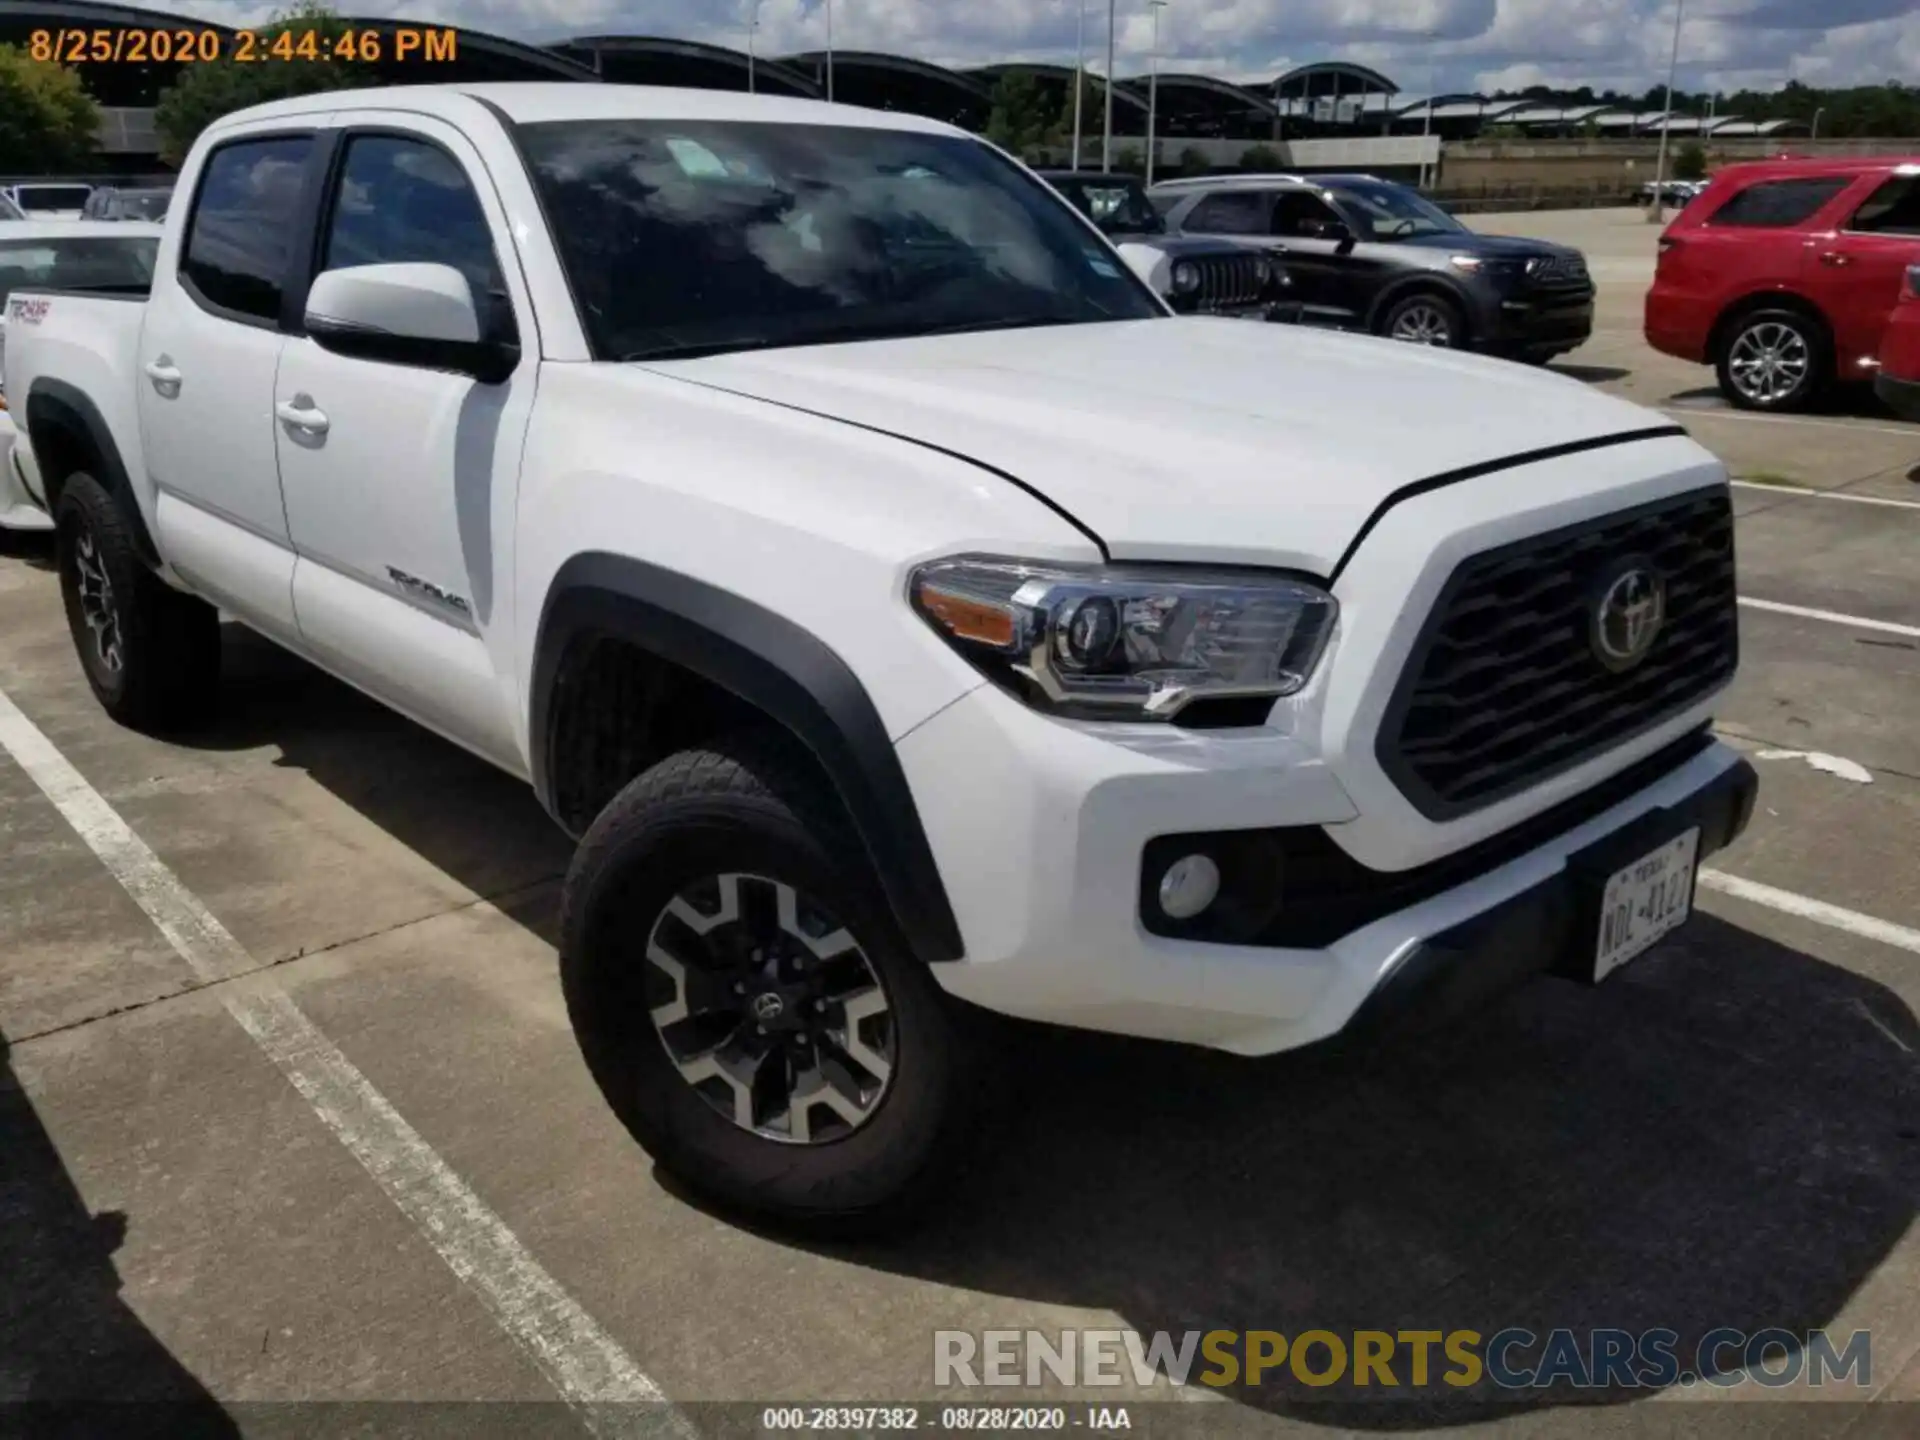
1715	412
1831	617
581	1360
1785	901
1826	494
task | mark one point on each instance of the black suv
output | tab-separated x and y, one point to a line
1367	254
1198	276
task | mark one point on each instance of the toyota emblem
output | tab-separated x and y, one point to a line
1627	619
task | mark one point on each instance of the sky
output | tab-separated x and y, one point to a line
1423	45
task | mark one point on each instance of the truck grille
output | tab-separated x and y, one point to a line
1505	687
1230	281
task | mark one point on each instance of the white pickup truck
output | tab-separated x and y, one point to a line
907	612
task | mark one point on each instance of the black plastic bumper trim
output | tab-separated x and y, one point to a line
1549	928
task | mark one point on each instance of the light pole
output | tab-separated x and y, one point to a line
753	24
1426	126
1816	122
1079	73
1106	144
1154	7
829	52
1657	212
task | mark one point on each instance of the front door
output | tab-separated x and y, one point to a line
1863	268
1319	246
401	481
209	348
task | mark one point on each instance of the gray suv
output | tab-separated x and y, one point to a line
1199	276
1368	254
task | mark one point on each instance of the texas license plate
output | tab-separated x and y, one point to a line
1648	899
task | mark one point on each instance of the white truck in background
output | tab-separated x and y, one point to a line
907	612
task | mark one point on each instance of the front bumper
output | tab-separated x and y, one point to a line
1541	322
18	509
1040	828
1900	396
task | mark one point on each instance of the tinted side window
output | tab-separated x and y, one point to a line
1776	204
407	202
242	225
1893	209
1301	214
1242	213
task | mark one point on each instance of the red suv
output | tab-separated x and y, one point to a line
1898	382
1782	275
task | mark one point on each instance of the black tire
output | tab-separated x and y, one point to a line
1441	309
753	805
161	672
1808	335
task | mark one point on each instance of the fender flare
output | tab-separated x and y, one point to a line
56	404
780	669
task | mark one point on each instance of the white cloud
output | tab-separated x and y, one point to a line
1469	43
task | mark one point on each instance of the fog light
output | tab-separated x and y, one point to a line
1189	886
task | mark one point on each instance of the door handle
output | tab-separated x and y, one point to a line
300	413
164	375
1835	258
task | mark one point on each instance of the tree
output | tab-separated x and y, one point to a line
1690	162
1193	161
1261	158
1129	160
47	120
204	93
1021	122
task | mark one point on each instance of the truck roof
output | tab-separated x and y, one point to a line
533	102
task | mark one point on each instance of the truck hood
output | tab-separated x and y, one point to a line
1220	440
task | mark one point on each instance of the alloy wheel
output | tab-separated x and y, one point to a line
769	1008
1422	324
1769	362
96	600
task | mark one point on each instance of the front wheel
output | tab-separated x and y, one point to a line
1772	360
746	1005
1425	320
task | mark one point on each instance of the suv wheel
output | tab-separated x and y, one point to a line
1425	320
1772	360
151	654
745	1004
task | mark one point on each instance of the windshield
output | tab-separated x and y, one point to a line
88	262
683	238
1392	212
42	198
1117	208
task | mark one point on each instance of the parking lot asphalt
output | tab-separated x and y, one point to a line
197	1205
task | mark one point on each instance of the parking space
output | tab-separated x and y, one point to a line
419	1196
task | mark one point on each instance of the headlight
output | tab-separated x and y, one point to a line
1469	263
1186	278
1119	643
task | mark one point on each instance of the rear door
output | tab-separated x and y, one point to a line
400	480
1864	266
209	348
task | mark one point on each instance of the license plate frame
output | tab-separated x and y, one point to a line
1643	902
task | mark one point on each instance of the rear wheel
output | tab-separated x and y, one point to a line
745	1002
1425	320
1773	360
151	654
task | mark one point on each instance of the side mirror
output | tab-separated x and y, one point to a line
420	315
